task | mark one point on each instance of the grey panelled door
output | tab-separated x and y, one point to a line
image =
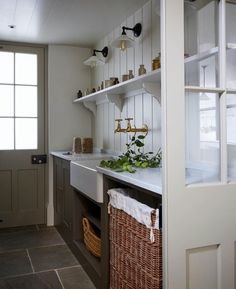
22	101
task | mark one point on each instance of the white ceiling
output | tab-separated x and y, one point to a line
76	22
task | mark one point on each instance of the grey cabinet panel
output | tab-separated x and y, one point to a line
6	191
68	198
63	194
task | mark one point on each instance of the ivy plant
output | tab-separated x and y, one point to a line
134	157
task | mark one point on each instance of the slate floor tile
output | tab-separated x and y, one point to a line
14	263
53	257
44	280
75	278
18	229
29	239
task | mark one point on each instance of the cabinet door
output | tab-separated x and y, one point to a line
58	198
68	195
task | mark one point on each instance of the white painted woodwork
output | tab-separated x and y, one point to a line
199	221
82	22
140	105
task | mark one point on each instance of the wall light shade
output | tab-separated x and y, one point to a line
123	42
94	60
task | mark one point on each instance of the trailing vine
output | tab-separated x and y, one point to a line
134	157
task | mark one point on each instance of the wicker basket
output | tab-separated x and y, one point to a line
135	262
92	242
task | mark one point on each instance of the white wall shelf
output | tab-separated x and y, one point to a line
118	92
204	89
202	55
231	90
147	83
231	45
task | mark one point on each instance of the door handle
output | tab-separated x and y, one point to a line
38	159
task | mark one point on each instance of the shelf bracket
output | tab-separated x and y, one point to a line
91	106
117	99
154	89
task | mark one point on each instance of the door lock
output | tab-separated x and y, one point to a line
38	159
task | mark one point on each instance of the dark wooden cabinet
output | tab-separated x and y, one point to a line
70	206
63	197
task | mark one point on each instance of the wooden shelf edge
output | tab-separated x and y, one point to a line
204	89
95	221
118	92
122	88
92	260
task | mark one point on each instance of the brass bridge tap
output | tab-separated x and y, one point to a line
118	128
134	129
129	128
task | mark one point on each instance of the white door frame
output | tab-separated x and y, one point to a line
178	216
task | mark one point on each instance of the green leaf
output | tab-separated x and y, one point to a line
139	143
141	137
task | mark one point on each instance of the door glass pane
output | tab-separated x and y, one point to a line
26	133
26	101
6	100
202	138
6	67
6	133
231	67
231	44
201	51
231	136
26	68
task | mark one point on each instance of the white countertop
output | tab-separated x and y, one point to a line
149	178
79	157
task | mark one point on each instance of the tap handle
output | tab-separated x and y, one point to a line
129	126
118	119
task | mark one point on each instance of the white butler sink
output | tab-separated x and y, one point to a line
84	177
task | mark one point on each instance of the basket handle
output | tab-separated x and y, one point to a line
86	224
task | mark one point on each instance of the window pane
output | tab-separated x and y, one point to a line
6	133
201	52
231	40
6	100
26	133
26	68
26	101
231	68
202	138
6	67
231	136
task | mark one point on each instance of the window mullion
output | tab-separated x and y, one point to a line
222	80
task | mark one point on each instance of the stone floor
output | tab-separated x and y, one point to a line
36	257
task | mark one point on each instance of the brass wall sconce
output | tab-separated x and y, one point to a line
94	60
129	127
123	42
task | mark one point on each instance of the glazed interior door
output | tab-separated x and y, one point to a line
22	184
199	144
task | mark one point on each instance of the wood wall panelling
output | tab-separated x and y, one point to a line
142	107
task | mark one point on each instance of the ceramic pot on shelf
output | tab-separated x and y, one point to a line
142	70
131	74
